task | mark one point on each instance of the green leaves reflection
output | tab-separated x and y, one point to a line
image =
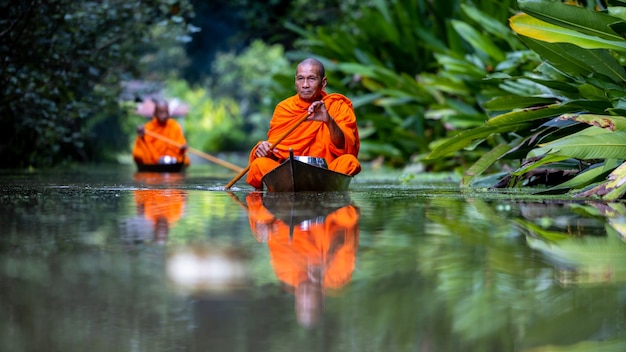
489	274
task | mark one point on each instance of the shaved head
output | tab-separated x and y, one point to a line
161	110
314	62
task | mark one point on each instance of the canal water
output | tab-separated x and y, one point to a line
105	259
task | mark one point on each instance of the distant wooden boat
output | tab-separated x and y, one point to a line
297	176
178	167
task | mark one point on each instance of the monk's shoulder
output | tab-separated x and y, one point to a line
338	98
288	105
171	123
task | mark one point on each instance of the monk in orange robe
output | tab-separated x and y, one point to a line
149	150
312	257
330	132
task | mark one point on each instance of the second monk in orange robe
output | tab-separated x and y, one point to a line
148	150
330	132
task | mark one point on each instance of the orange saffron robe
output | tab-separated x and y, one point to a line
148	150
155	204
331	245
311	138
168	204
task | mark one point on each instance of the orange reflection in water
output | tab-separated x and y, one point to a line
163	207
312	246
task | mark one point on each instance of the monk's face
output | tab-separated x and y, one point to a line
162	113
309	82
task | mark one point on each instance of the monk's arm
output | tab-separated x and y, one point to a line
336	134
318	112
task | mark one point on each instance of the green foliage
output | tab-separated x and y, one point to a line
248	77
583	74
63	62
256	79
212	124
424	76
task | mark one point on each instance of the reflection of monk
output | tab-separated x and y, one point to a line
311	257
163	207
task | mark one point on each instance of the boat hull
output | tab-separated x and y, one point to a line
295	176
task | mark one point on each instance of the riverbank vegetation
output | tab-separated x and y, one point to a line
527	93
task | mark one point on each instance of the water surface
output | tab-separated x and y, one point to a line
103	259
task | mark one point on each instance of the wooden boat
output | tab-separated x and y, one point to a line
297	176
177	167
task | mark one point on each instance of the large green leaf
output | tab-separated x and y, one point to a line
578	61
612	123
464	139
587	177
483	163
580	19
532	27
510	102
591	143
548	159
612	189
530	114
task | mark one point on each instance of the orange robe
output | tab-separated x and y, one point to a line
148	149
311	138
330	246
155	204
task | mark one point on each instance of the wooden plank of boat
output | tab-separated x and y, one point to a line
297	176
178	167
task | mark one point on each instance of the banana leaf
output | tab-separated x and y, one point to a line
592	174
611	123
532	27
483	163
465	138
590	143
576	18
531	114
575	60
511	102
548	159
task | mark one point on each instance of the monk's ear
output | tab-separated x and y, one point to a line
324	82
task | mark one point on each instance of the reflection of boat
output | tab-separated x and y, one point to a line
177	167
293	208
312	240
297	176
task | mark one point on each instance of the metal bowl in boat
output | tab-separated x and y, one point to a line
319	162
167	160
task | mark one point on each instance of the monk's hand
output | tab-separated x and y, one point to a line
318	112
141	130
183	148
263	149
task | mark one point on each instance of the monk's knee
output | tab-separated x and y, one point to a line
346	164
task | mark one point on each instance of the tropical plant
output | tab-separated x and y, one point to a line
63	62
565	120
424	76
212	124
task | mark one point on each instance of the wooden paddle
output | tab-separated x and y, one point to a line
272	146
195	151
